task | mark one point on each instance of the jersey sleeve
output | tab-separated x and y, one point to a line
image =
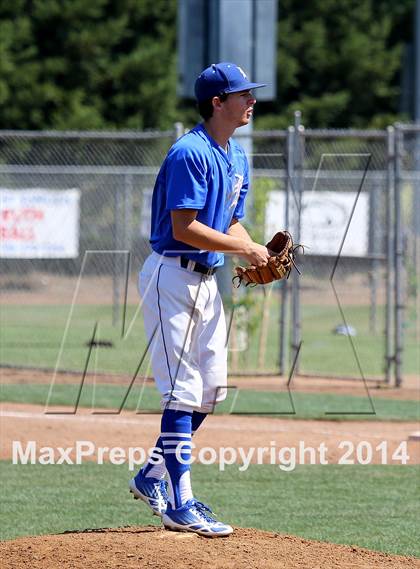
186	179
239	212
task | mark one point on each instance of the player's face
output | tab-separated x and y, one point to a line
238	107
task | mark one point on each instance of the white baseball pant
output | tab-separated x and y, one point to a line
183	311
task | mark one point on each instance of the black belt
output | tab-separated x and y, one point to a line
198	267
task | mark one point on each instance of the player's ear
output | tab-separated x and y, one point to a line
217	103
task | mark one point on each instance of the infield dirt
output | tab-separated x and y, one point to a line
151	547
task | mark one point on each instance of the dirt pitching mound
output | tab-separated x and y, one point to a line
138	547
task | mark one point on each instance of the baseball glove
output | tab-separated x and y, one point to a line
279	265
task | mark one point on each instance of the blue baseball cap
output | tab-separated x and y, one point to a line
222	78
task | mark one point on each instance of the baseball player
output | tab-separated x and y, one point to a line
198	200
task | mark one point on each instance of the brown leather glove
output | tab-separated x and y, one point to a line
279	264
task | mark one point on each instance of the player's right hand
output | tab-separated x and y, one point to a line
256	254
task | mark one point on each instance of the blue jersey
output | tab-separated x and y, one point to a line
198	174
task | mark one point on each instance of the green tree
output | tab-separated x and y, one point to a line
339	62
97	64
72	64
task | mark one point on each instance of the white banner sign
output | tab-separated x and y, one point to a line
39	224
325	216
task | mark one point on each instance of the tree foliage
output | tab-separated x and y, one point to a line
339	62
72	64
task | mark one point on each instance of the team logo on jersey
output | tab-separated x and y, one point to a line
233	196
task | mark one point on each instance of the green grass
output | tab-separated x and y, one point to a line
370	506
307	405
32	335
323	352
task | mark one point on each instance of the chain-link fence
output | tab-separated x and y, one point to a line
51	304
340	198
336	191
407	249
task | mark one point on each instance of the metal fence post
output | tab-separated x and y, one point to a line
118	236
374	202
128	210
297	191
285	282
398	256
178	130
415	284
389	356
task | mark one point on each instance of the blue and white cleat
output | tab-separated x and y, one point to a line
152	491
193	516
